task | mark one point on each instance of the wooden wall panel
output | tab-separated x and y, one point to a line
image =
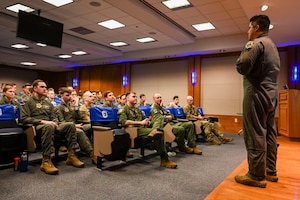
111	79
108	77
232	123
293	60
54	79
95	81
84	79
229	123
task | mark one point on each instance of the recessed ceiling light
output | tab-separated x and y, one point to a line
20	46
79	53
64	56
118	44
28	63
58	3
264	7
41	44
17	7
111	24
145	40
203	26
174	4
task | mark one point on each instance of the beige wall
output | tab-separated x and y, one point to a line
17	76
167	78
221	85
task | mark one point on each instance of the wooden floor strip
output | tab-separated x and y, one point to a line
287	188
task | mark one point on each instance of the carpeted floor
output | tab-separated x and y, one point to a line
140	178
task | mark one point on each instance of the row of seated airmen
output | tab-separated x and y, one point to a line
37	110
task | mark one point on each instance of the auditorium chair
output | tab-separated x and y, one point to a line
12	137
110	141
33	142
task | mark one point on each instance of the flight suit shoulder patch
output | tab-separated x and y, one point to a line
249	45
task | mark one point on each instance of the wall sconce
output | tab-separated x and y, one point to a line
75	82
295	73
194	77
125	80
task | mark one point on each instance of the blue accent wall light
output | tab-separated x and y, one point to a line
295	73
125	80
75	82
194	77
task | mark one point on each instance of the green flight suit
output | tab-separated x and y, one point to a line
34	111
135	114
259	63
107	105
69	113
180	129
210	128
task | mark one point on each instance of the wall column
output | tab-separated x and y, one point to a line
194	90
293	60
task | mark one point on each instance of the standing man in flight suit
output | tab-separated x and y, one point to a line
259	63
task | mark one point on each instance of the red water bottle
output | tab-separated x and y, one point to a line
17	163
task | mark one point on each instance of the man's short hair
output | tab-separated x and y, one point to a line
36	82
63	90
26	84
106	93
50	89
175	97
11	84
128	93
142	95
262	20
7	87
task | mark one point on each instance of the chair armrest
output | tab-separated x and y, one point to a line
101	128
83	121
30	132
168	134
182	120
24	125
132	131
103	137
198	125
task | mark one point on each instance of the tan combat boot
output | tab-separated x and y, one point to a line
129	154
93	157
186	149
155	134
73	160
168	163
63	149
47	166
272	178
214	142
197	151
225	140
246	180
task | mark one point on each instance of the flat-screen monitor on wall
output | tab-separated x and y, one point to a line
39	29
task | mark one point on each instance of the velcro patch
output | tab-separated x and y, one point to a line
249	45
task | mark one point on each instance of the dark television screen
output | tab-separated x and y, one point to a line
39	29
